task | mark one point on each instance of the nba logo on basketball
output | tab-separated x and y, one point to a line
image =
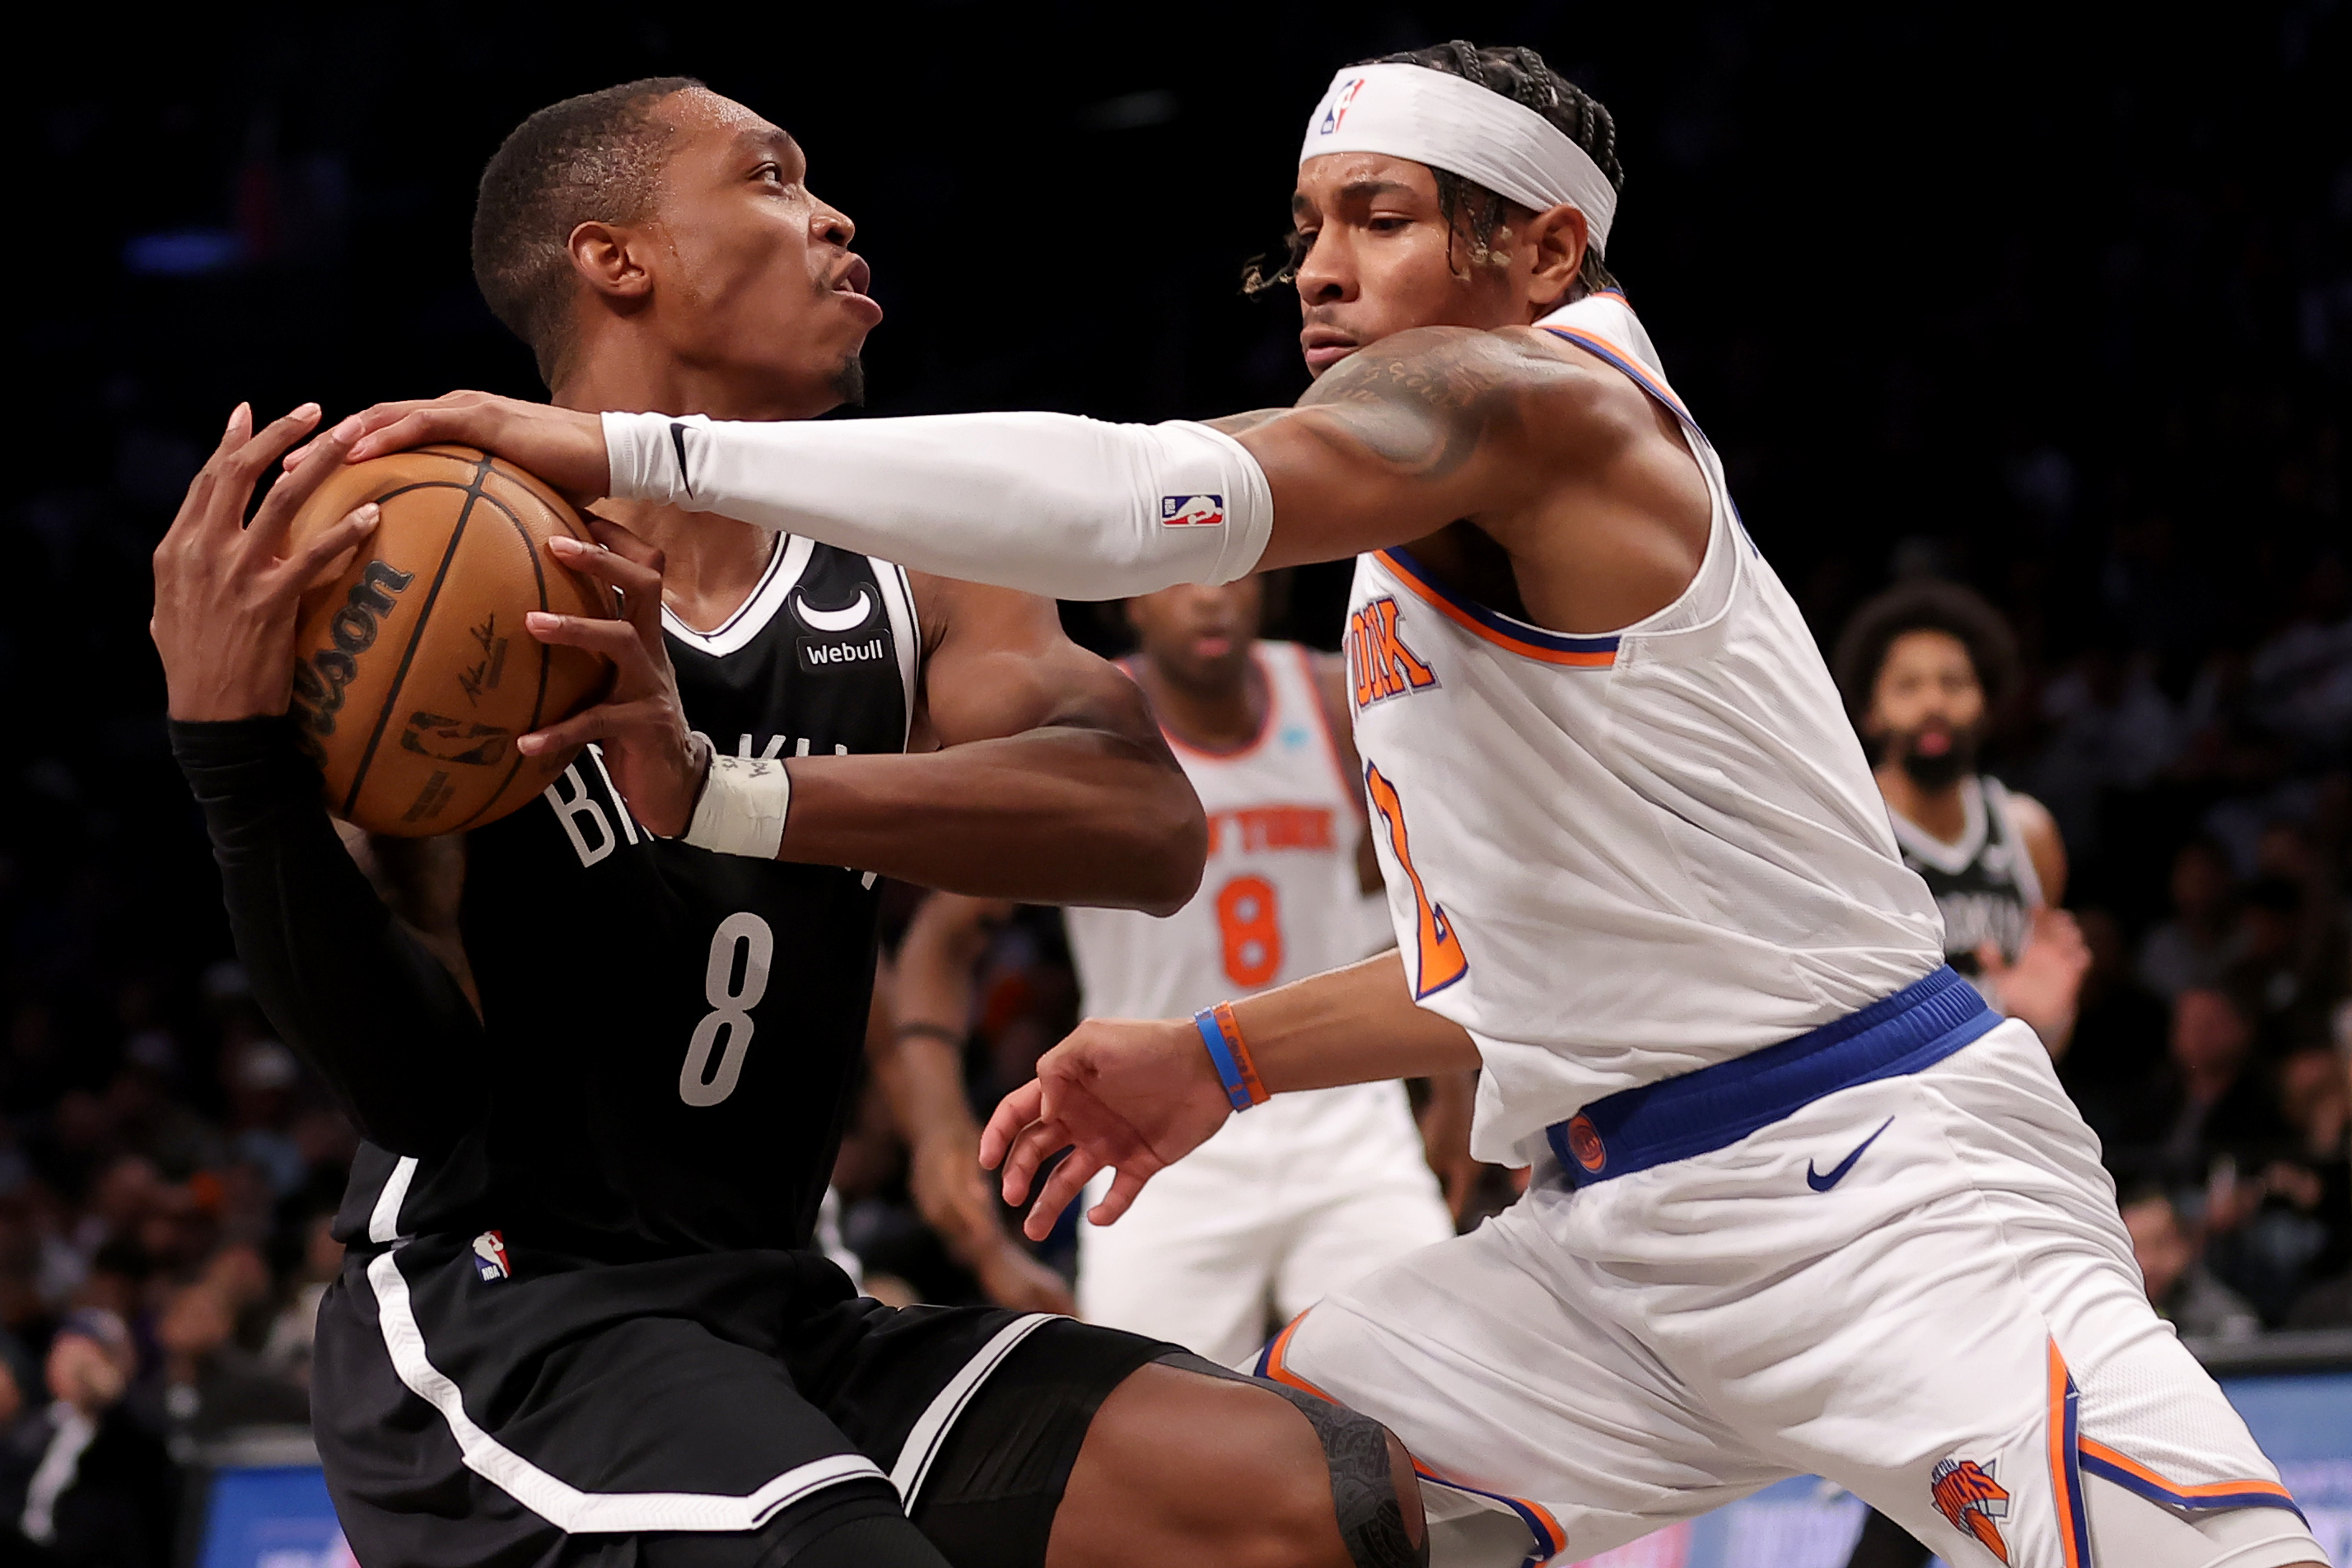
1965	1492
490	1256
1188	511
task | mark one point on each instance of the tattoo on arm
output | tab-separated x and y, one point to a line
1423	408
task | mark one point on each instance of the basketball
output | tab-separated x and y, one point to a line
412	672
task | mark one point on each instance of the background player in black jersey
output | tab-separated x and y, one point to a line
580	1321
1924	666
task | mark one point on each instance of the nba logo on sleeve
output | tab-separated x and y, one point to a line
490	1256
1191	511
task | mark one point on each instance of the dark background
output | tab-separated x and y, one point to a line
2056	301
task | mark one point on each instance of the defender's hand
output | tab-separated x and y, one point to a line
227	594
561	447
657	763
1134	1094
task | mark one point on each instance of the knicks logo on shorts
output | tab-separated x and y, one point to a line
1380	665
1584	1143
1965	1492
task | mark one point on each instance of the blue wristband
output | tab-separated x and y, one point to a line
1220	1056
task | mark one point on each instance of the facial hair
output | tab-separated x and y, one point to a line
849	383
1938	773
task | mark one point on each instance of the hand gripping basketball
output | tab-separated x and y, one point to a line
657	763
561	447
1133	1094
227	595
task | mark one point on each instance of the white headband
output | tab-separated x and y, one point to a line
1436	118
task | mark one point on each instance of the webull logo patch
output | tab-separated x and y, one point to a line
821	655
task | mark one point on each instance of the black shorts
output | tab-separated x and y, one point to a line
525	1408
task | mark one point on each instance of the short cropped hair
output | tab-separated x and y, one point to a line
1925	605
596	158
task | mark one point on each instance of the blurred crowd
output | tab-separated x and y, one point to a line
2116	404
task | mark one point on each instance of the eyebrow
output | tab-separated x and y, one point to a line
1359	190
756	139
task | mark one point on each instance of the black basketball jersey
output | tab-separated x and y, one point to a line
674	1035
1985	885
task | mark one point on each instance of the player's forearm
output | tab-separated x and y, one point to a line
1357	1024
1049	503
1058	815
338	976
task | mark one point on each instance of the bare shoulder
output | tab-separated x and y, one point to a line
2038	830
1514	379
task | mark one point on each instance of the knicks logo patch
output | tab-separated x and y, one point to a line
1584	1143
1380	665
1965	1492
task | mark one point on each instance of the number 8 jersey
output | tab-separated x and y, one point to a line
673	1035
1280	899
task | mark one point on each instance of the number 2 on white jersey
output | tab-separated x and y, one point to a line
1439	960
730	1008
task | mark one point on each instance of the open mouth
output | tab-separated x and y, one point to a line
856	278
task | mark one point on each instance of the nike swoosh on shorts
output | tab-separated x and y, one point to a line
1821	1183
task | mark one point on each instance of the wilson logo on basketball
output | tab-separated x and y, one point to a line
1965	1492
320	680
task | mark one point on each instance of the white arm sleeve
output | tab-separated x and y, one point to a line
1046	502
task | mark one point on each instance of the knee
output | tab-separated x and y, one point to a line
1349	1501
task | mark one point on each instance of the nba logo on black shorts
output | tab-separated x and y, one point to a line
490	1256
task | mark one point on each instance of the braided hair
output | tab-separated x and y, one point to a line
1520	75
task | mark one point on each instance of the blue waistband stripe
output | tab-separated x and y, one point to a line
1706	1109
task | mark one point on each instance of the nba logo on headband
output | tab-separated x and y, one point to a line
1340	101
1435	118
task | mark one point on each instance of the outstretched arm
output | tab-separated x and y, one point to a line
1138	1095
1404	437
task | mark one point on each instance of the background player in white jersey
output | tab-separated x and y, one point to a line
1924	666
1800	1202
1273	1212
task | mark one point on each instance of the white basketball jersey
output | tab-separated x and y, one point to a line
1616	859
1279	901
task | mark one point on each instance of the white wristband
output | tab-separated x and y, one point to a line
743	805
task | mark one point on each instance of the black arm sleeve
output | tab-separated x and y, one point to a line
346	985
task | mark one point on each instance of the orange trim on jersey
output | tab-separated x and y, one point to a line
1623	359
2211	1493
2065	1476
1540	1521
1437	599
1271	1365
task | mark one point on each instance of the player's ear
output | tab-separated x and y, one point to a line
1554	243
607	259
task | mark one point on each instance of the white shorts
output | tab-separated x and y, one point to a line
1299	1197
1952	1328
